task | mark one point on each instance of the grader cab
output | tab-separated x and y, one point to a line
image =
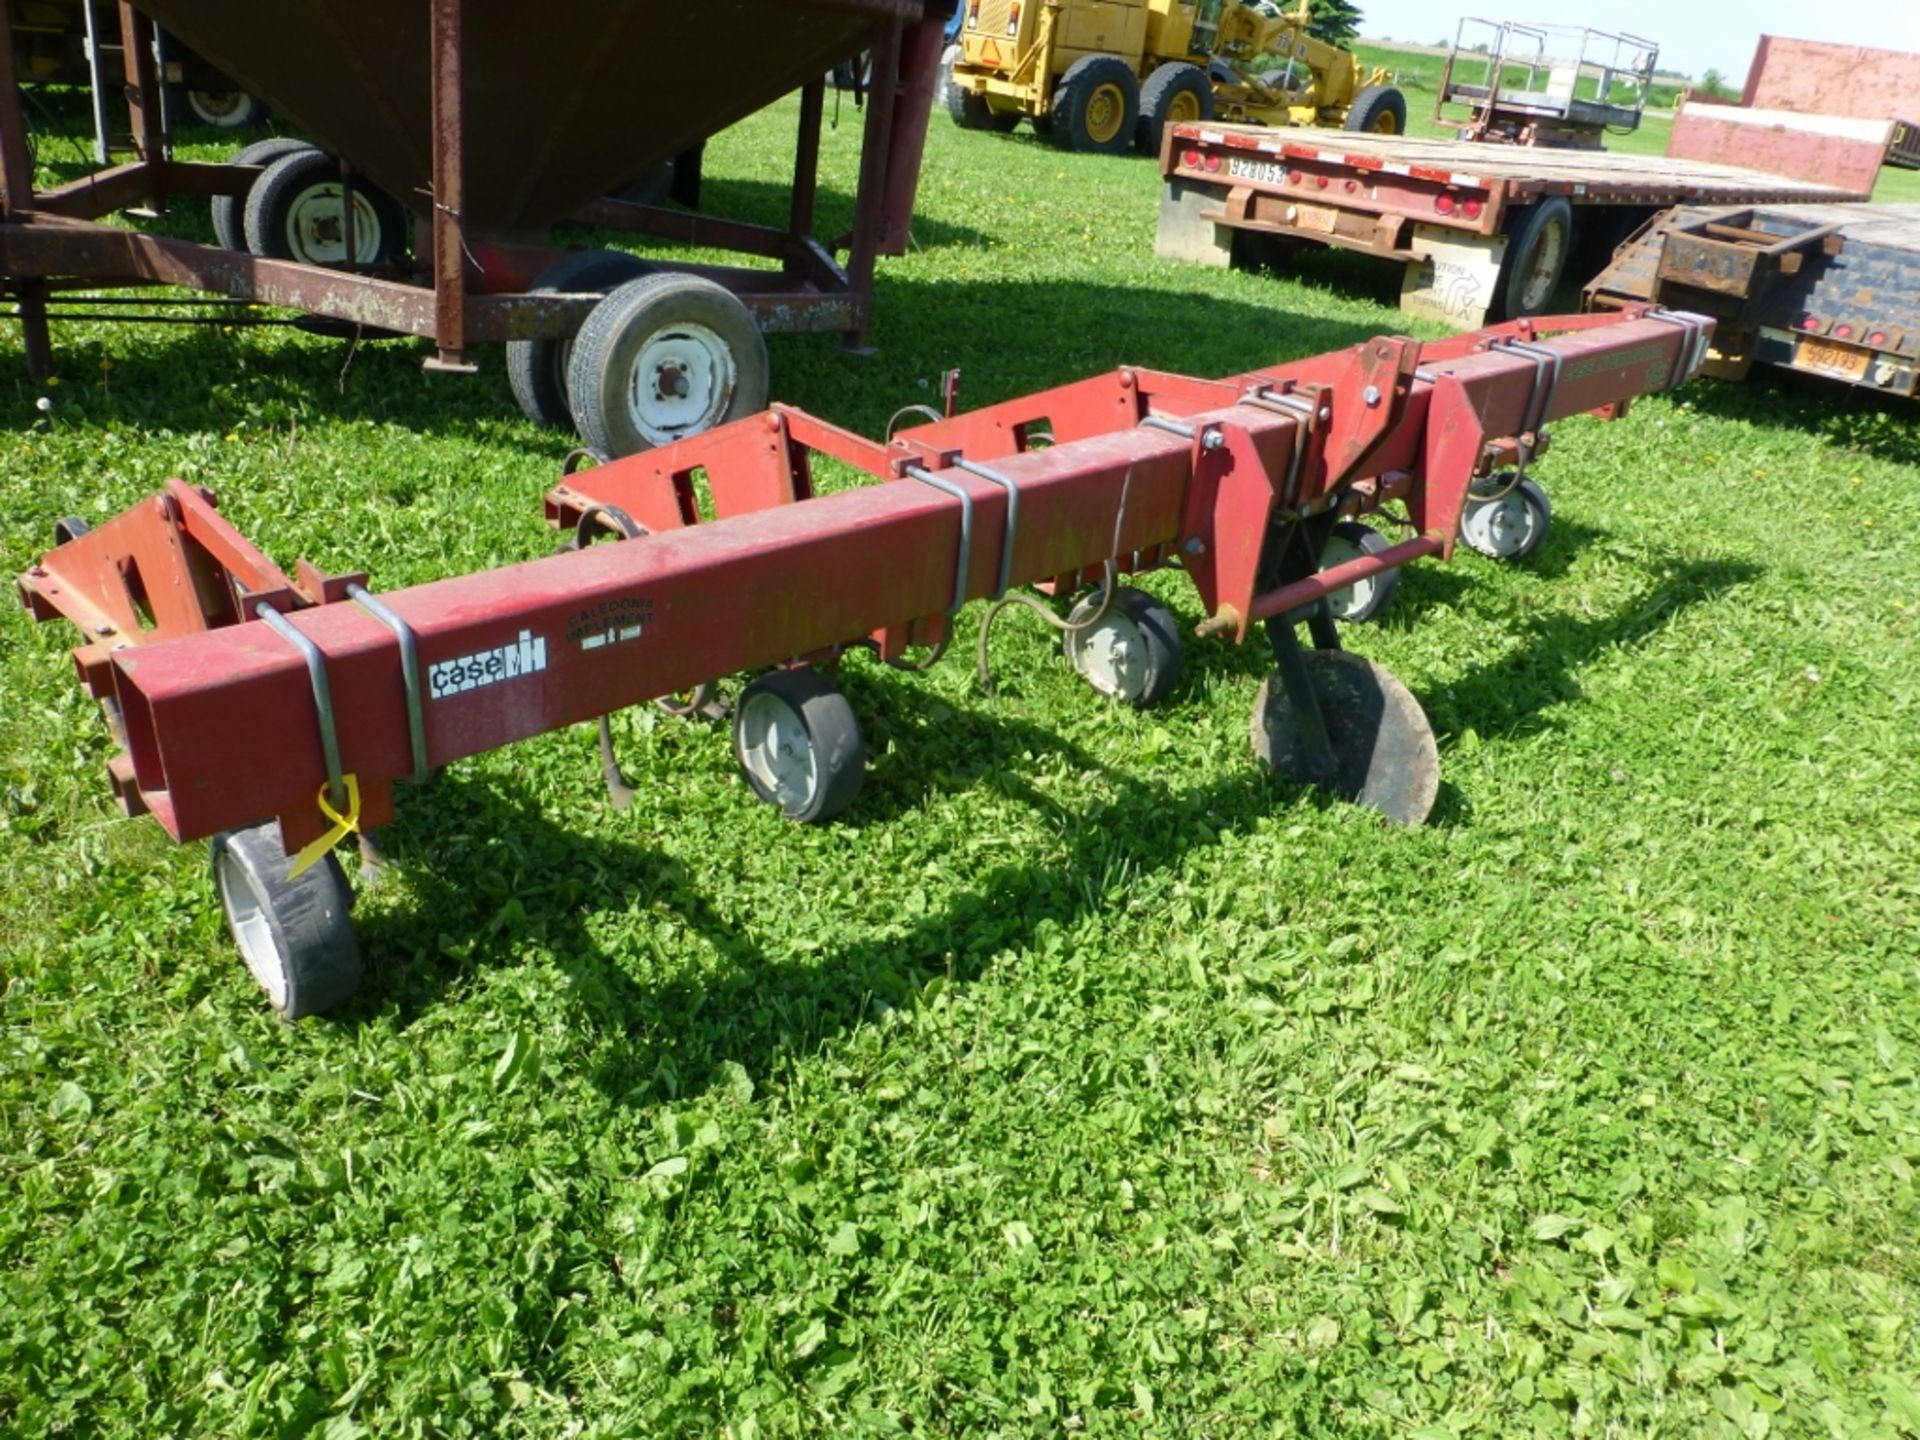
1100	75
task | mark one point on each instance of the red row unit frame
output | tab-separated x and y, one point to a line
242	693
1484	231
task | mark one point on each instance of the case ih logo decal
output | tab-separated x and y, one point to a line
487	667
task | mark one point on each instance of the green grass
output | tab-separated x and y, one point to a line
1082	1080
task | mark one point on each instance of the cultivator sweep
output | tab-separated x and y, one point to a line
245	698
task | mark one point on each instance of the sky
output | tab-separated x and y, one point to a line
1692	36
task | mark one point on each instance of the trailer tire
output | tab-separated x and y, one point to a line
1364	599
1542	239
1176	93
224	109
295	935
1379	109
798	744
1131	653
293	212
228	212
1096	106
664	330
537	369
1506	517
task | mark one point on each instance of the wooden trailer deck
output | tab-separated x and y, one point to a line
1484	230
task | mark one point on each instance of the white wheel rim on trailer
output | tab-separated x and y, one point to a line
317	230
682	382
777	751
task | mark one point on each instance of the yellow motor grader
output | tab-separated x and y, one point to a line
1100	75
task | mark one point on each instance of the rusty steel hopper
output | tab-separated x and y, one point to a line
561	101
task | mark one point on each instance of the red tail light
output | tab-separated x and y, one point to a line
1190	159
1810	323
1471	209
1877	338
1845	332
1213	162
1294	177
1352	185
1443	203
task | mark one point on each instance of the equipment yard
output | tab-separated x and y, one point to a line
1082	1076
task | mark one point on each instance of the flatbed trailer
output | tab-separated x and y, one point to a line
1829	290
1484	232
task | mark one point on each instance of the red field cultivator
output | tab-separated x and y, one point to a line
245	698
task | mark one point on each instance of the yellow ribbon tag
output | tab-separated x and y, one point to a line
343	826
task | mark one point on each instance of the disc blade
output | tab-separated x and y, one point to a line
1383	748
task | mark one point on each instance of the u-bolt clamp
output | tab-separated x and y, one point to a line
409	676
1005	482
1303	413
1693	352
964	561
322	697
1546	380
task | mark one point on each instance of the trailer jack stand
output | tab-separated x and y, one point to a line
242	693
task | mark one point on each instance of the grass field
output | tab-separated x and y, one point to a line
1082	1080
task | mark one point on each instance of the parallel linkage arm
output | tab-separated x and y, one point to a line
1144	469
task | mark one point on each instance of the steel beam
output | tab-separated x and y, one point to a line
219	712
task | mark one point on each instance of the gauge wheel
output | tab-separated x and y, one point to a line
295	935
1131	653
1506	517
662	358
1364	599
798	744
295	211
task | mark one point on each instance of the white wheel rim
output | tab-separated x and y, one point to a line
247	919
1502	528
1355	598
682	382
217	107
1543	271
316	226
1111	656
777	751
